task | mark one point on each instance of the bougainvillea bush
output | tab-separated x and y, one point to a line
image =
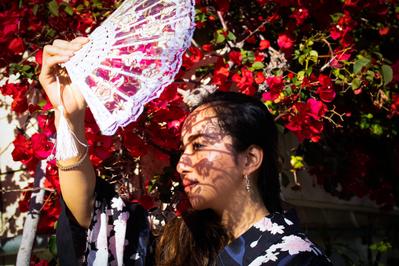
327	70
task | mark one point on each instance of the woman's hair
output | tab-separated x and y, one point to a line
197	237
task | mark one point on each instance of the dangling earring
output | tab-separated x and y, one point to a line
247	184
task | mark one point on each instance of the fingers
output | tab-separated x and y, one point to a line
81	40
60	52
73	45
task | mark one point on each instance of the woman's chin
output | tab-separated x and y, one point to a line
197	203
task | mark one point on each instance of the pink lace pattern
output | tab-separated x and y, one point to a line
131	57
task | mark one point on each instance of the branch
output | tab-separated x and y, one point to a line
36	189
32	220
239	44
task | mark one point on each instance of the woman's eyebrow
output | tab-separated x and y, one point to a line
193	137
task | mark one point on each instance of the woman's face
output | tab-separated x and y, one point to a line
209	167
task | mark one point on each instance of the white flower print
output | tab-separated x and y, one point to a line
294	244
135	256
288	221
276	229
267	225
120	231
269	256
263	224
99	257
117	203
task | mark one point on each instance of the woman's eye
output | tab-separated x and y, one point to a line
197	146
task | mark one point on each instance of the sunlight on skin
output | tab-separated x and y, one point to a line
213	174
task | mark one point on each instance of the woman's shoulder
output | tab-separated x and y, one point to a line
275	238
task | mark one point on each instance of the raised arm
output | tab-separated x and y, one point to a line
77	184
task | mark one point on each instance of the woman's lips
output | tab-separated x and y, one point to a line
189	185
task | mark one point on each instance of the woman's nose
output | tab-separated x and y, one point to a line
184	165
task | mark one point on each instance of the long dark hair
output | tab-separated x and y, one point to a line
197	237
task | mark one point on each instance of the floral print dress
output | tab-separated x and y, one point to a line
119	234
274	240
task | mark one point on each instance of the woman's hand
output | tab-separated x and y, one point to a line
72	100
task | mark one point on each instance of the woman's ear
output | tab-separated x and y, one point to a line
253	159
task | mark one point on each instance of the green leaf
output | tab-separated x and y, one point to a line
68	9
308	71
52	245
220	37
314	55
296	162
301	75
356	83
376	129
250	56
53	7
80	7
97	3
387	74
231	36
301	59
35	9
258	65
360	63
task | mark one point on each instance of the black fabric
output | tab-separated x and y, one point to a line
70	238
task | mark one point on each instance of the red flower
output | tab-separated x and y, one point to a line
9	29
22	148
222	5
220	74
259	77
300	15
207	47
23	152
235	57
306	122
16	46
339	56
244	81
264	44
39	57
383	31
285	42
191	56
49	214
133	143
100	147
41	146
52	180
12	89
395	104
46	124
20	103
276	85
85	21
326	89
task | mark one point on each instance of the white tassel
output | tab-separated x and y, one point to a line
65	144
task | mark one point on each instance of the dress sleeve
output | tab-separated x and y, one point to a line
118	233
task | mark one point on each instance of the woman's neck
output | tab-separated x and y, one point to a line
241	212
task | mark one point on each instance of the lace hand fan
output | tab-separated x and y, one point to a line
131	58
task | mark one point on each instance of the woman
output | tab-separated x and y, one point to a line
229	172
